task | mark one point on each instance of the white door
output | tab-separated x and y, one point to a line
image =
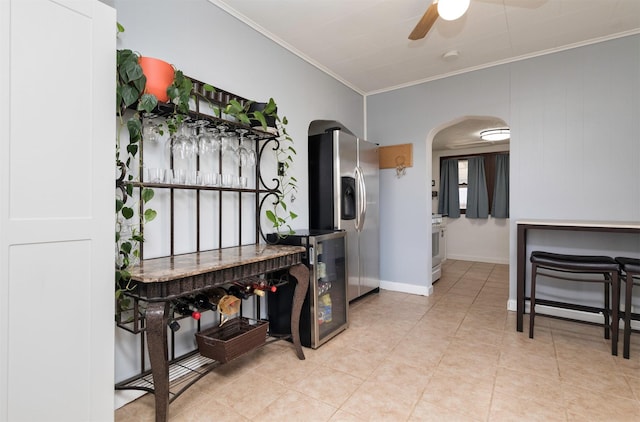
57	61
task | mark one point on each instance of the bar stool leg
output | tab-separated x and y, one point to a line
607	285
532	307
615	323
627	315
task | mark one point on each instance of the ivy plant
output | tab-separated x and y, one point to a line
280	215
129	92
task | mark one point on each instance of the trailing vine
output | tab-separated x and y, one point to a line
279	215
129	91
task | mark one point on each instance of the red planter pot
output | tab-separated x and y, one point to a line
159	76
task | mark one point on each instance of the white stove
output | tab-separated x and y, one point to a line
437	234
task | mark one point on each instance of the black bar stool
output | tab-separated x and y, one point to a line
630	274
567	267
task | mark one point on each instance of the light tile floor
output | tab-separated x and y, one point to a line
453	356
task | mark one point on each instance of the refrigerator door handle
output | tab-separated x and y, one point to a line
362	199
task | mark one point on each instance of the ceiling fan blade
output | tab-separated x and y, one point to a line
425	23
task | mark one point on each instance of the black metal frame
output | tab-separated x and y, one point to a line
151	295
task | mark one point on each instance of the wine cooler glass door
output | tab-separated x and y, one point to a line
329	290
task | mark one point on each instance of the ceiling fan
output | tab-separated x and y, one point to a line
446	9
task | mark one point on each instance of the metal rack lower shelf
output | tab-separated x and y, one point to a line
184	371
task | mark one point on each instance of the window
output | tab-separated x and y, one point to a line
463	182
463	178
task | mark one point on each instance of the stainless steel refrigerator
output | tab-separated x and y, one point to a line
343	195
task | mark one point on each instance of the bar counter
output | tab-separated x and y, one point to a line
525	225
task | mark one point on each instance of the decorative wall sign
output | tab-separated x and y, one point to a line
397	157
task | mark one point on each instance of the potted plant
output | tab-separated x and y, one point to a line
263	116
159	75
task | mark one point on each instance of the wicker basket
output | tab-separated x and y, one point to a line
236	337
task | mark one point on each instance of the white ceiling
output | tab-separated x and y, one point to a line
364	43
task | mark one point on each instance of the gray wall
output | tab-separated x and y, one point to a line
574	119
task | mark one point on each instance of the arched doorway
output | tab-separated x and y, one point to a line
480	240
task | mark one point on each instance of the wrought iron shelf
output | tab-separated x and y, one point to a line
195	187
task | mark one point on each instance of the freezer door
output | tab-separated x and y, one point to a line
369	236
345	161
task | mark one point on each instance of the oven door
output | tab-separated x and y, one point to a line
436	253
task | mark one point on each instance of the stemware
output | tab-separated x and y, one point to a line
183	148
208	148
242	155
150	128
253	157
229	140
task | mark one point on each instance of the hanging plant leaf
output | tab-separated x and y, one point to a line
131	71
128	94
127	212
132	149
147	194
271	107
134	126
125	247
271	217
257	115
147	103
149	215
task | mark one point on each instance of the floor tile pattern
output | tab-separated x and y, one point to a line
452	356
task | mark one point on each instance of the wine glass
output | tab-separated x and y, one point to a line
242	155
208	144
182	148
208	147
253	157
229	140
150	128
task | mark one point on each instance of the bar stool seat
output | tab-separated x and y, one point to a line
630	274
568	267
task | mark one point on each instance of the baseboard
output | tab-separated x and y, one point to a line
488	260
123	397
406	288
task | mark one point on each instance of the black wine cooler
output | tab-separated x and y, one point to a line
325	309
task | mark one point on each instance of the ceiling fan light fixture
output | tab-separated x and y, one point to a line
493	135
451	10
